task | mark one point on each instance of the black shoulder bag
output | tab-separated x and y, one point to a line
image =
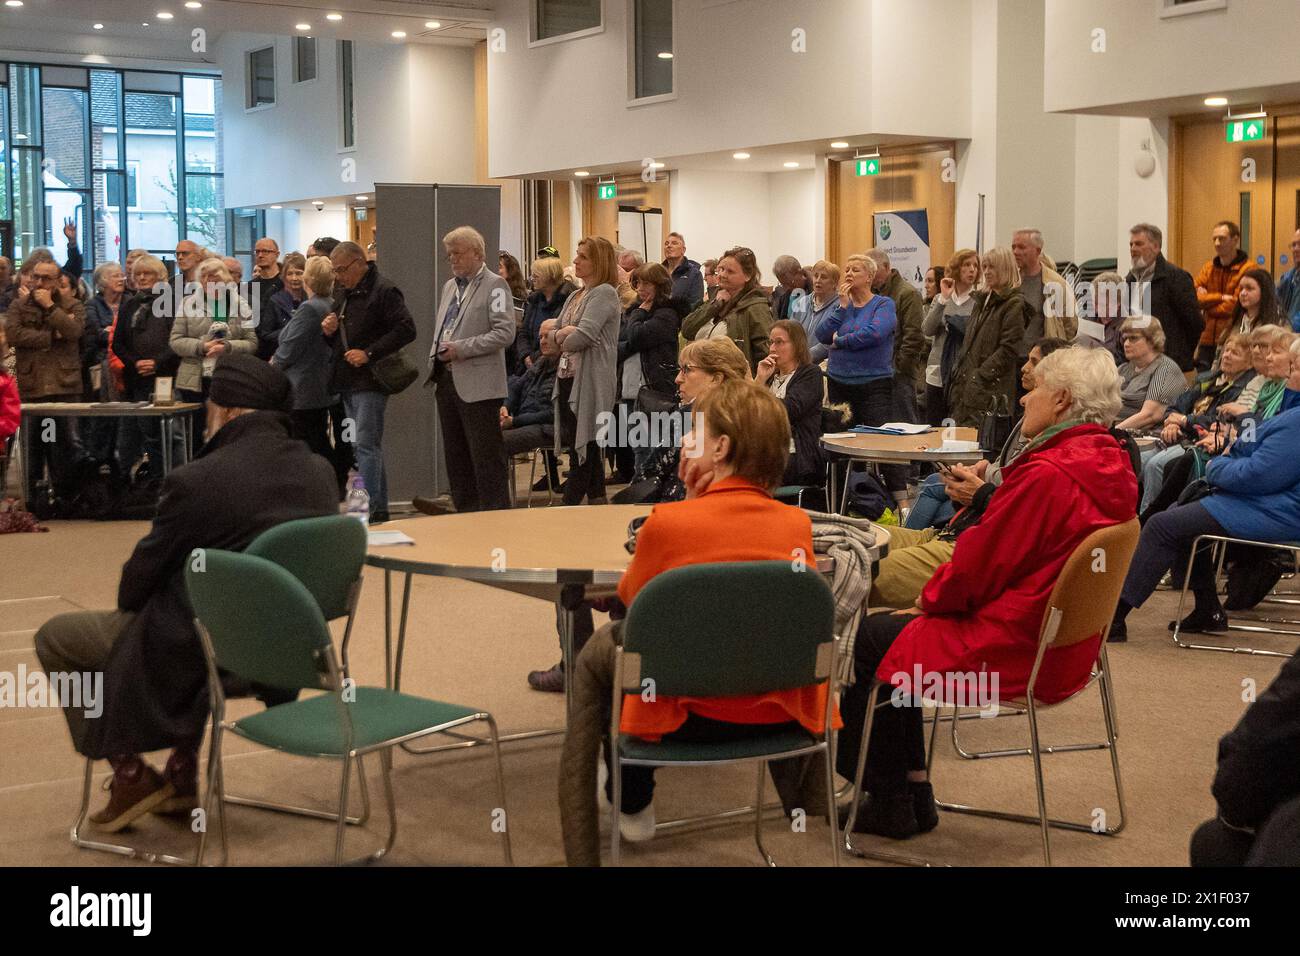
393	373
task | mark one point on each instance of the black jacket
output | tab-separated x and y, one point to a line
1259	759
652	336
270	320
1204	385
375	319
803	403
538	309
155	681
143	335
529	400
1173	302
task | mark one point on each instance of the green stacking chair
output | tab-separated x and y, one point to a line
725	630
327	555
259	623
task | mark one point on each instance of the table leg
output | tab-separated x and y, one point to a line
566	656
26	453
401	632
165	425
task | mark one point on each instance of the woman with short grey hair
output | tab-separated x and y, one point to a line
1149	380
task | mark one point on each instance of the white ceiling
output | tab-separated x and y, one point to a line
70	23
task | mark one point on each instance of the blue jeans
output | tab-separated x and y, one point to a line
1154	464
932	508
366	409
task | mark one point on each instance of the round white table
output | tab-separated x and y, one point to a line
896	449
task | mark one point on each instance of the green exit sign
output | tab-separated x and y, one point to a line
606	190
1244	131
868	167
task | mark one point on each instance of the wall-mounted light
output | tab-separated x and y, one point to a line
839	144
1216	101
740	155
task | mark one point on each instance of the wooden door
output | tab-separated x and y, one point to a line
363	227
1286	191
600	216
911	178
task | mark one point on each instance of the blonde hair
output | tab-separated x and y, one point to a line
869	265
318	275
551	269
1149	327
717	357
603	260
152	263
828	267
756	422
1005	271
213	267
1091	378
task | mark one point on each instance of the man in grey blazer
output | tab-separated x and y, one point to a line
467	367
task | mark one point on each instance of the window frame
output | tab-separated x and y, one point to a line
632	99
347	105
297	60
534	19
250	82
1171	9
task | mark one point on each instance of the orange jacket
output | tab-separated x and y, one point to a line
733	520
1219	280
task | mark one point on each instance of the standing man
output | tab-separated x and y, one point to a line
234	267
790	299
8	284
1216	288
270	280
1055	314
909	340
688	281
467	366
1158	287
1288	290
188	256
370	321
45	330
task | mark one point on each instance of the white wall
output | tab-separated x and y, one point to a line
414	122
716	211
793	202
738	82
1248	45
977	157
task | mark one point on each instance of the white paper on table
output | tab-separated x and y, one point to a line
841	435
906	428
1094	330
381	539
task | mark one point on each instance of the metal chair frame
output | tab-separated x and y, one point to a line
627	677
1219	545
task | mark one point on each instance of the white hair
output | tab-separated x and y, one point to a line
102	272
466	236
1034	235
879	256
1091	378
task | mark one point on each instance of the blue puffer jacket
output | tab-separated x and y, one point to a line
1257	484
865	347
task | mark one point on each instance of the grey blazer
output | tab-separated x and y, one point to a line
484	327
306	356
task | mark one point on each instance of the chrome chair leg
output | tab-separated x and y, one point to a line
616	802
343	810
832	811
501	787
758	815
313	813
1038	781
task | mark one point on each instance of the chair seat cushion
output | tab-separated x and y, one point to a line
313	727
761	744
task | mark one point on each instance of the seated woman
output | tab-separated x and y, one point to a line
1149	380
738	452
1255	494
704	364
934	506
789	373
1197	410
982	611
1271	348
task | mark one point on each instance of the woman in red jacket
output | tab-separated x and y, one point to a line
976	624
10	405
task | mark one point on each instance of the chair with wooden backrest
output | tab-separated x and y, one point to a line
1080	607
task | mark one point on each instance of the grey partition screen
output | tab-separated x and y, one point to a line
411	220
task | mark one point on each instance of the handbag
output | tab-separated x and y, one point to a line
995	424
652	402
1196	489
393	373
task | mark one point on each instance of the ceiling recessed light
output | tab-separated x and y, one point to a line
665	55
20	135
144	24
839	144
13	3
336	17
431	24
1216	101
193	5
163	15
302	26
277	207
363	198
399	34
582	172
658	165
99	26
790	165
740	155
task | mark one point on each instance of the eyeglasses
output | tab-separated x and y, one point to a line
687	369
1133	337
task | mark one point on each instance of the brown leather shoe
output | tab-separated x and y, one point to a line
131	799
185	786
433	506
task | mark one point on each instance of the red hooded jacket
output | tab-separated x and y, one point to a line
984	608
10	407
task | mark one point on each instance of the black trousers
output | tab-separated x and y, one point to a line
898	735
312	425
936	405
344	457
586	471
60	453
1166	545
476	456
873	403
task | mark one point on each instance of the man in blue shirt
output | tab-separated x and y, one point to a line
1288	290
688	280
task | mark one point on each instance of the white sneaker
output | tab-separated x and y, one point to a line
603	803
638	827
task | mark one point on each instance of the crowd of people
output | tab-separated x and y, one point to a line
1152	394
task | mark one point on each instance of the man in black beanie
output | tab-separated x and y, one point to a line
145	654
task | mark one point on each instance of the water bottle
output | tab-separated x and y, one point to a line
357	503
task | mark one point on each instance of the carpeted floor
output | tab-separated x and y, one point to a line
474	646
